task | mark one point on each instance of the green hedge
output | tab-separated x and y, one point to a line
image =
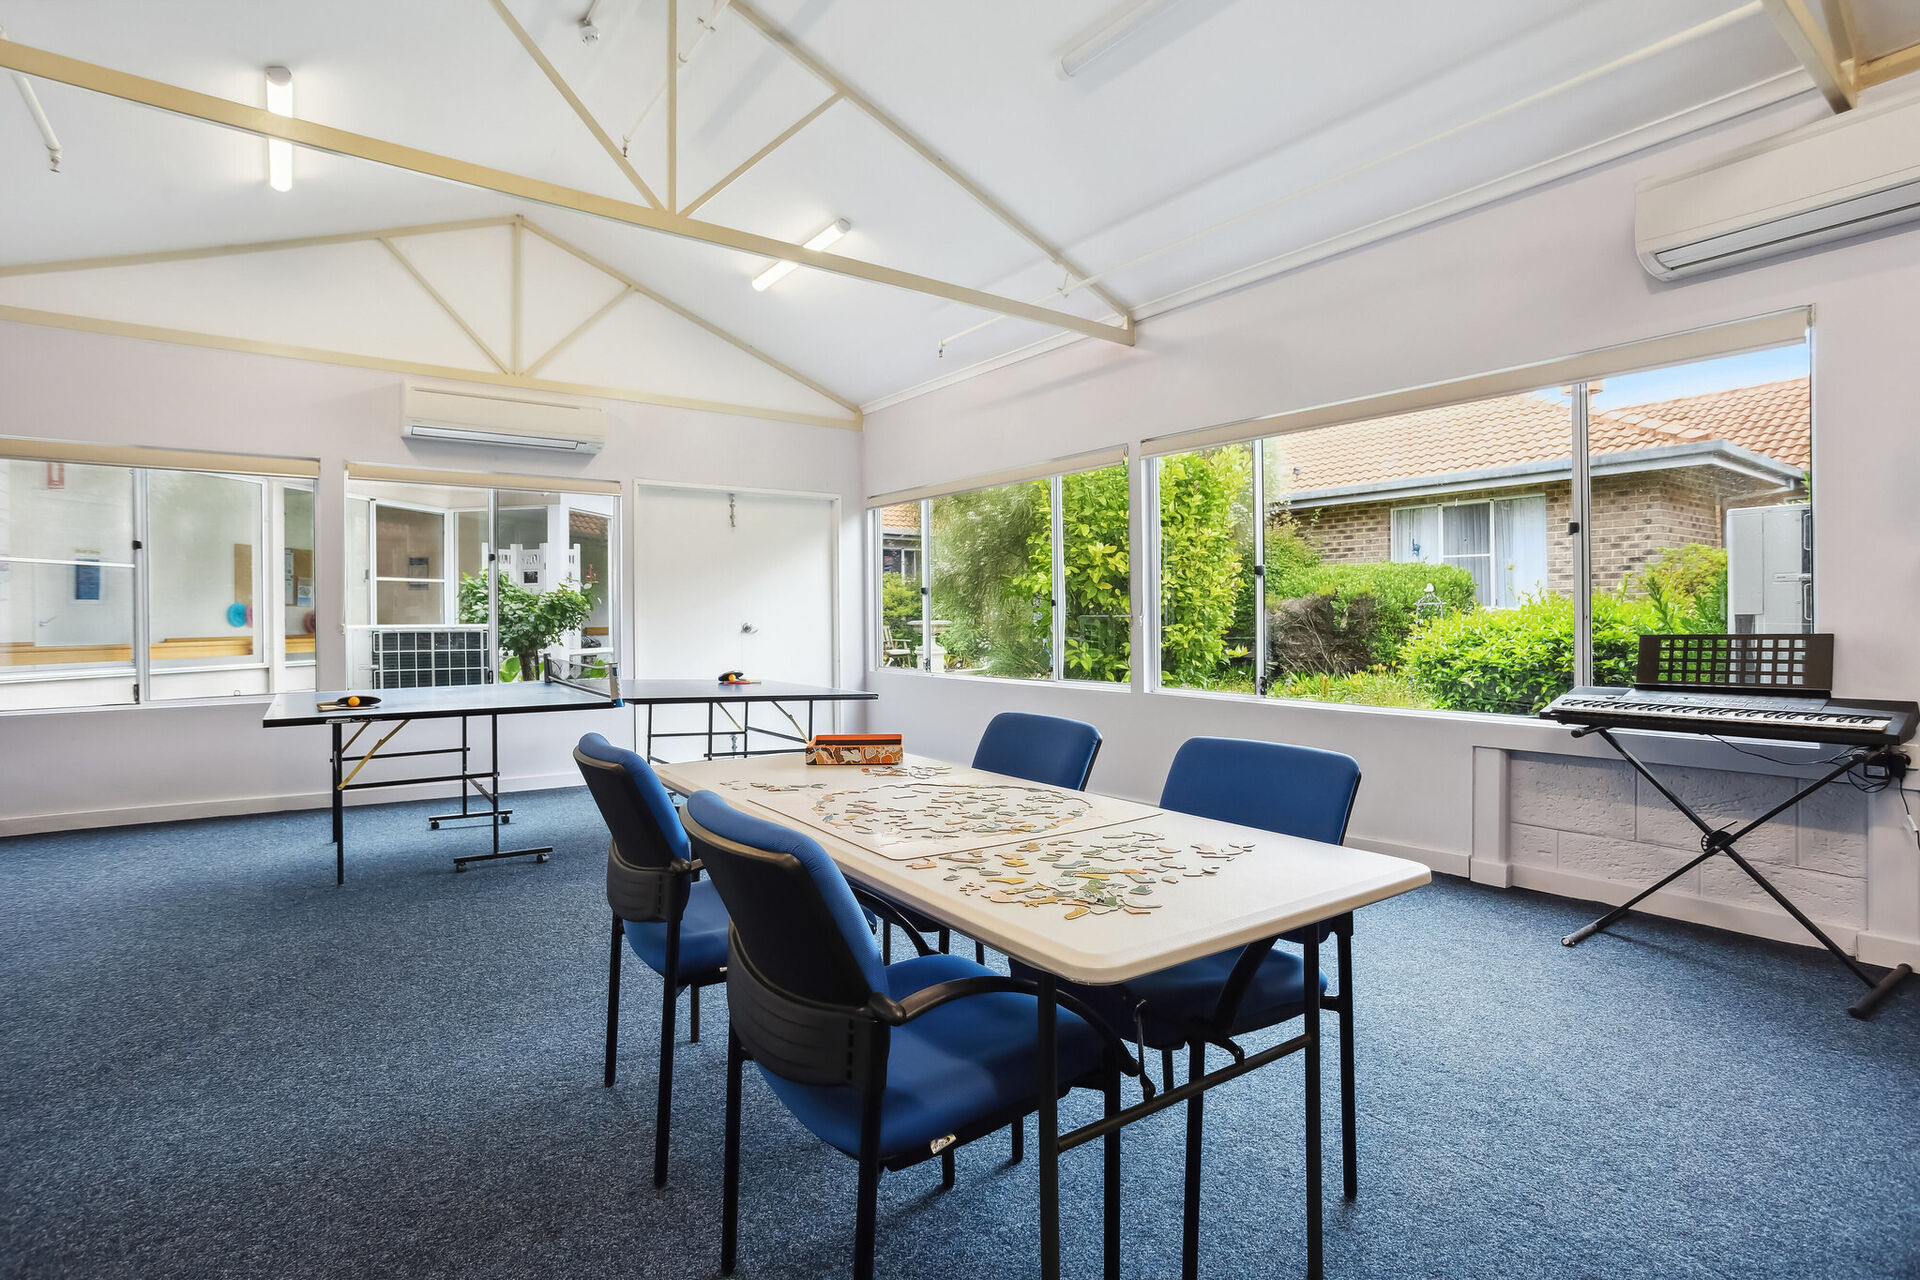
1518	660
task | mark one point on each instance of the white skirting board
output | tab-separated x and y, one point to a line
188	810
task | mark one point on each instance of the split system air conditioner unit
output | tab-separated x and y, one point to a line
460	417
1838	178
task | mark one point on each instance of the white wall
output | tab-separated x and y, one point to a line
162	761
1541	276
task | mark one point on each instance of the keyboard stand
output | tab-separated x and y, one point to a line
1713	840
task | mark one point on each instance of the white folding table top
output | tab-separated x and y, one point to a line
1117	891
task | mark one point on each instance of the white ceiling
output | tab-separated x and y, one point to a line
1216	108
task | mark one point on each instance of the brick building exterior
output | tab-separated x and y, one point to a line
1664	475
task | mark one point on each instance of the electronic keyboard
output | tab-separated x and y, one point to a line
1788	718
1777	685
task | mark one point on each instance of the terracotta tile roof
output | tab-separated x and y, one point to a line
901	515
1771	419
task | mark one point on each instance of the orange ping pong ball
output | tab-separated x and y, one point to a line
353	701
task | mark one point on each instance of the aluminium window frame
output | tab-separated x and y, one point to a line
140	669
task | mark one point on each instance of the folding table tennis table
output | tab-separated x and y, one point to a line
465	702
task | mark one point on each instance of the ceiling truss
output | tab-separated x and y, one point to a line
254	120
1831	54
511	371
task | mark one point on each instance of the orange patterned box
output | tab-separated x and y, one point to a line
856	748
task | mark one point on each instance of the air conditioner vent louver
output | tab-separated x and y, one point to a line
1840	178
460	417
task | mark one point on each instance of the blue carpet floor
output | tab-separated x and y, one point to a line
214	1062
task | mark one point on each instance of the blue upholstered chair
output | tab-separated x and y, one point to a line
672	919
890	1064
1298	791
1050	750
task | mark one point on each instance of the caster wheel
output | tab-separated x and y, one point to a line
505	818
460	867
540	857
432	825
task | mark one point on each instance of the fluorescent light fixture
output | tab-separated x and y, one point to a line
279	153
1108	34
821	239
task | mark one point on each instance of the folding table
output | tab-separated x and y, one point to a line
1259	885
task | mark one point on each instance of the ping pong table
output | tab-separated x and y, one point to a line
401	707
718	698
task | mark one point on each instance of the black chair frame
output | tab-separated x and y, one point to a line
646	894
813	1042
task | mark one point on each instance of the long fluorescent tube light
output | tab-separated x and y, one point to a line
1108	34
778	271
279	153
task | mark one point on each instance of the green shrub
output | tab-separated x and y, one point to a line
1687	587
1518	660
1369	613
1203	551
529	621
1375	687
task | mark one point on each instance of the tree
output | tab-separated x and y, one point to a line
529	620
1205	537
985	586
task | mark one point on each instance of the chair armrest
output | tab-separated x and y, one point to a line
899	1012
1235	987
891	914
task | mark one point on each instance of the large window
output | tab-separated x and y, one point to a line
453	584
1028	580
1486	556
121	584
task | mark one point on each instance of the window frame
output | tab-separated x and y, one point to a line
141	669
1055	478
1577	377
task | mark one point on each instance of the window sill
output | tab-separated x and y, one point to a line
243	699
1047	682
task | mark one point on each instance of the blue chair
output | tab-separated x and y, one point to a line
889	1064
1298	791
1050	750
672	919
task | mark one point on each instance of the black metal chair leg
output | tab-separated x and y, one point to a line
669	999
693	1015
979	953
730	1177
1019	1150
613	998
1349	1120
867	1210
946	940
1190	1222
1111	1188
886	943
946	1170
1312	1028
1166	1069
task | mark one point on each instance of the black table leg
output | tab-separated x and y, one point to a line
1049	1133
1311	1007
339	814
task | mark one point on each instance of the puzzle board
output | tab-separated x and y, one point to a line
919	810
1132	868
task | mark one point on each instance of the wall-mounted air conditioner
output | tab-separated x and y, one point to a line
1855	173
462	417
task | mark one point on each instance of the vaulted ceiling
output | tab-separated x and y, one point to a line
1220	141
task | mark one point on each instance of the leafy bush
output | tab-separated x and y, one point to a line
529	620
1203	550
1368	614
1687	587
985	585
1375	687
1099	603
900	611
1518	660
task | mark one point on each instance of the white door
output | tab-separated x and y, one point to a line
731	582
